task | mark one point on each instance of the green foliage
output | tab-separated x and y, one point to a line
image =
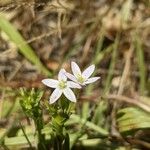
141	63
131	119
98	117
112	65
18	141
76	119
60	113
90	33
8	107
30	101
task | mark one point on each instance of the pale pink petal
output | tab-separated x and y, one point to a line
55	95
71	77
61	75
91	80
69	94
75	69
88	71
50	83
71	84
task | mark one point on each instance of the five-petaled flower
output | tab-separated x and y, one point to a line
82	78
62	86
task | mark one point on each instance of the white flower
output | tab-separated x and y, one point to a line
82	78
62	86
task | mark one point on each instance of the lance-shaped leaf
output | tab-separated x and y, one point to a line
22	45
131	118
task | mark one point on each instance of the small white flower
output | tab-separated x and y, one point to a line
82	78
62	86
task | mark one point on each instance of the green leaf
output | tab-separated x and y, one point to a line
131	118
20	42
85	110
9	108
30	102
19	141
98	116
75	119
126	10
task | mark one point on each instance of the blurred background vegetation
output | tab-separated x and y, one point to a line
38	37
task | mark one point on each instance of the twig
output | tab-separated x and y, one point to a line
59	25
126	71
132	101
139	142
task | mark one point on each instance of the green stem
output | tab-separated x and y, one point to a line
60	137
41	139
30	145
141	64
62	142
112	65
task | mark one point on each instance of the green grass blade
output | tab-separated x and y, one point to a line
99	46
85	110
89	124
112	65
96	60
98	116
141	64
20	42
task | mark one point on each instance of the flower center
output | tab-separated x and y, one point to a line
62	84
80	79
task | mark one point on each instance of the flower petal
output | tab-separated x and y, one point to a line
71	84
50	83
61	75
88	71
75	69
55	95
69	94
91	80
71	77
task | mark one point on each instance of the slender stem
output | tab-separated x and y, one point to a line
41	138
26	136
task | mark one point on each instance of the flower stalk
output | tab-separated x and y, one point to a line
60	112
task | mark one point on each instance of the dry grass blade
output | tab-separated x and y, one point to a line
130	101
